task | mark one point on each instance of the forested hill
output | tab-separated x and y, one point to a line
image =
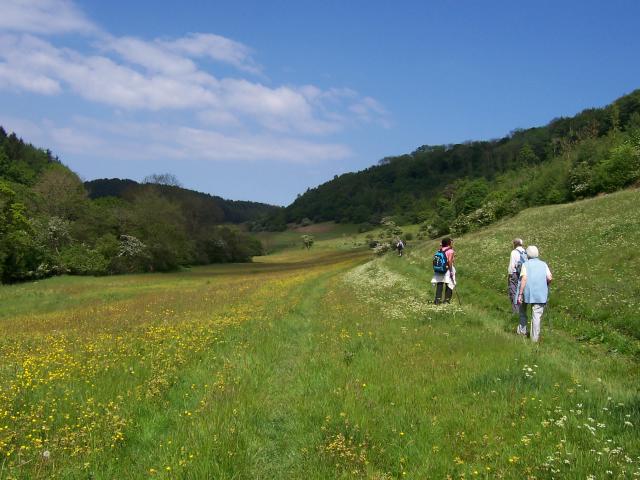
216	209
52	223
475	182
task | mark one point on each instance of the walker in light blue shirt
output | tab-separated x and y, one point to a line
536	290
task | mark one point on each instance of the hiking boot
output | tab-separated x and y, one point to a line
521	330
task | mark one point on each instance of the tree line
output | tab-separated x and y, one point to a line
52	223
455	188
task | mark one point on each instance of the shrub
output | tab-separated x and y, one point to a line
483	216
620	169
382	248
81	260
307	241
391	229
132	256
580	180
460	225
108	245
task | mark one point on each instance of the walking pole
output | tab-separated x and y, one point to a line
458	295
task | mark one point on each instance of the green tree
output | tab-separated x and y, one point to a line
469	195
16	245
60	192
621	167
160	225
162	179
526	156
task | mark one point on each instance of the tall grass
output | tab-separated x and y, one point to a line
324	364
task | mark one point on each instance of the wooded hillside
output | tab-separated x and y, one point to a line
216	209
457	187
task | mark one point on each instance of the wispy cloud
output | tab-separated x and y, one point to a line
369	110
147	141
226	117
43	17
217	48
99	78
153	56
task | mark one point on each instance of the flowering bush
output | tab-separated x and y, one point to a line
381	248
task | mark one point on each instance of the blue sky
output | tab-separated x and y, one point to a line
260	100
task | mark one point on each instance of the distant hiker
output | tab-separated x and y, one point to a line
400	247
518	257
444	271
535	278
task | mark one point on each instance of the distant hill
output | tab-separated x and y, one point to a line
438	184
214	208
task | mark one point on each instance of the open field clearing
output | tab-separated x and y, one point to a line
328	235
319	364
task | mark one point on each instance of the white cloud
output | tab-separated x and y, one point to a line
43	17
146	141
210	145
99	78
151	55
219	118
239	119
102	80
175	56
369	110
217	48
282	109
24	80
170	82
22	70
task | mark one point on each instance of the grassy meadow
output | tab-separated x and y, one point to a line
330	363
327	235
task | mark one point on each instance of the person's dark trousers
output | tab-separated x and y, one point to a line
448	293
513	291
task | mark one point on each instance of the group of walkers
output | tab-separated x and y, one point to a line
528	282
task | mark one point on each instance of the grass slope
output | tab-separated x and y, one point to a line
591	248
330	365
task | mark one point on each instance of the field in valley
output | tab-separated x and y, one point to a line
330	363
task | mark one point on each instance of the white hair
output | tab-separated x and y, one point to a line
532	251
517	242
